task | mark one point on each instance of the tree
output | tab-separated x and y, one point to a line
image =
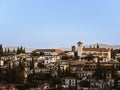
24	50
21	65
89	57
76	55
1	50
21	49
14	51
18	50
8	51
98	71
59	71
20	72
115	79
41	54
114	52
90	46
2	75
69	70
97	45
32	65
9	74
40	65
5	52
85	84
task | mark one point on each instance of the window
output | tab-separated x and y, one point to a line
72	84
72	80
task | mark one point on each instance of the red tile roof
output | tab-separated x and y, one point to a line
96	49
48	50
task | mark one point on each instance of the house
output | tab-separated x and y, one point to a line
48	55
90	66
68	82
47	52
8	87
69	53
40	70
10	57
45	86
1	62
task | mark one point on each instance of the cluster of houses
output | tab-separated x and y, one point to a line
80	66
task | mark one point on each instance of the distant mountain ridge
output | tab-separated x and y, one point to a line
68	49
95	45
104	46
65	49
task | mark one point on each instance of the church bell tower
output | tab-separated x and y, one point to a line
79	49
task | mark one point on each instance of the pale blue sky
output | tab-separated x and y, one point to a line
59	23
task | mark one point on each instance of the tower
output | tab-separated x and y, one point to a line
109	53
79	49
73	48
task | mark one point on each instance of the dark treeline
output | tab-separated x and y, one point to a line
20	50
7	51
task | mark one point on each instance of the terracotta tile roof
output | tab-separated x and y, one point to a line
48	50
96	49
44	50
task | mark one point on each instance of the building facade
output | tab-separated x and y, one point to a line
103	53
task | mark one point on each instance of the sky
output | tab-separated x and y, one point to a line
59	23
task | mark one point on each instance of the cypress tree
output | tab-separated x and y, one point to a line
21	49
18	50
99	70
97	45
90	46
8	74
5	52
24	50
14	51
1	50
32	65
8	51
59	70
21	66
69	69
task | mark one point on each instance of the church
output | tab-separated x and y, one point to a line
102	53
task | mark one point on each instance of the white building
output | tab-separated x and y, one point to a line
48	55
103	53
1	63
68	81
80	49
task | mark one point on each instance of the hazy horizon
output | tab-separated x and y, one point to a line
59	23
